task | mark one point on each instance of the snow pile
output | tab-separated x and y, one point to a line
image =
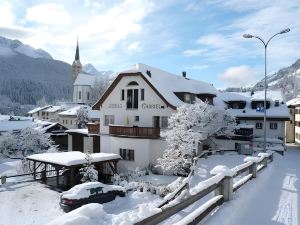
83	190
253	159
90	214
263	154
94	214
221	169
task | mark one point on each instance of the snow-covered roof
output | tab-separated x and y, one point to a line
293	102
281	111
53	108
72	158
92	114
167	84
79	131
38	109
85	79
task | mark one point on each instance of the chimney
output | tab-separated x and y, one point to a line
184	74
148	72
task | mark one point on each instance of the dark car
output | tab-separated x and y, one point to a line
91	192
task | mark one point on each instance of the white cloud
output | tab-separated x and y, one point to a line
133	47
194	52
196	67
239	76
48	14
6	14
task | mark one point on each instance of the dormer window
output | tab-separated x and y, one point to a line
259	105
236	104
132	83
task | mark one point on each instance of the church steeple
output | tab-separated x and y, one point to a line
77	58
76	67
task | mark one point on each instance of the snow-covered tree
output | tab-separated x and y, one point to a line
88	172
99	87
190	125
82	117
28	141
41	102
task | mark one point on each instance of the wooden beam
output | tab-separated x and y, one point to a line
34	170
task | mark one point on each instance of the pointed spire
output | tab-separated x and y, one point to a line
77	58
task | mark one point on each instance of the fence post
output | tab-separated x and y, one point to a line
3	179
265	161
226	186
253	170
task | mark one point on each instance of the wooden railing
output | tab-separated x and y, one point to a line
221	184
142	132
93	128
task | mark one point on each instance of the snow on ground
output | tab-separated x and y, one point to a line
271	199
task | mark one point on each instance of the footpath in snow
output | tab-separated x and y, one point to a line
270	199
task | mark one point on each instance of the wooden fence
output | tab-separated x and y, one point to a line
222	186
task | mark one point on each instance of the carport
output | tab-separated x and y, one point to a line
52	166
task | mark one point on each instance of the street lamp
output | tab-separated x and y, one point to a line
265	100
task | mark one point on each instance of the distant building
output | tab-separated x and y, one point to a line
293	125
248	109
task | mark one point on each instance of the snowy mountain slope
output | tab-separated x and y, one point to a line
90	69
287	80
10	47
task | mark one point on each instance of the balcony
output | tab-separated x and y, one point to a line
137	132
93	128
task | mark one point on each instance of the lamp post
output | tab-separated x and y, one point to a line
265	100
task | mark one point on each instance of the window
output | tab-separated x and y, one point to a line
132	98
133	83
122	95
187	98
273	126
63	121
136	118
155	121
109	119
88	95
142	94
259	125
79	95
66	121
164	122
127	154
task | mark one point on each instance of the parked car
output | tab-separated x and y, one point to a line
91	192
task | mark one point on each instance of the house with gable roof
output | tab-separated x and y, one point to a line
136	107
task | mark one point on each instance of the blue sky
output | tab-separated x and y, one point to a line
203	38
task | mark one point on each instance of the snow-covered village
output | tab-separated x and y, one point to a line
140	112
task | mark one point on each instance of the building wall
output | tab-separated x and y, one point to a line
68	121
290	127
84	89
297	124
88	144
146	151
70	145
113	105
271	133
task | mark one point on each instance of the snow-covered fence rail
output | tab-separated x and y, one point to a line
221	184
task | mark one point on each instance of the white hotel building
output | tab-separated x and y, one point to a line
135	109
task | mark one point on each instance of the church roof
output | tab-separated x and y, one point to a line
84	79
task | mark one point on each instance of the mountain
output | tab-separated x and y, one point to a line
287	80
10	47
28	74
90	69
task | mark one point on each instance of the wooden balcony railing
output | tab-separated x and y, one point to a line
140	132
93	128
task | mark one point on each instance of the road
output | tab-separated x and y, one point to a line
270	199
